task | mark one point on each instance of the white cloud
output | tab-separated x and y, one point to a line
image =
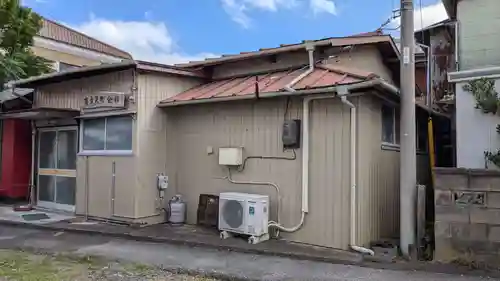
426	16
323	6
144	40
238	9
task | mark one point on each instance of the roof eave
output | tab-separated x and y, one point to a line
450	7
331	41
71	74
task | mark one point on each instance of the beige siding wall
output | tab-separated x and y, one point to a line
256	126
95	176
70	94
154	135
63	57
366	58
378	176
95	188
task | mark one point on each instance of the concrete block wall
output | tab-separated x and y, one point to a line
467	209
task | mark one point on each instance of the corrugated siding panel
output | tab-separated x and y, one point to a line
154	132
378	177
256	126
100	182
69	94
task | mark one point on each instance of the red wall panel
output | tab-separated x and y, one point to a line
16	159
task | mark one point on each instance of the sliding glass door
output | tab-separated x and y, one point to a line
57	150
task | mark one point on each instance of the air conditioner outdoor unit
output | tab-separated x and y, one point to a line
244	213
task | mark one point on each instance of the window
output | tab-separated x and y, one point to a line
110	135
390	125
66	66
391	130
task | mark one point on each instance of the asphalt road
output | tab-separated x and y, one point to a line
213	262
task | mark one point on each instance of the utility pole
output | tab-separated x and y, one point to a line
408	174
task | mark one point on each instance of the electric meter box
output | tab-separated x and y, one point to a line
231	156
291	134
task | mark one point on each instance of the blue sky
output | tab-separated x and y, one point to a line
172	31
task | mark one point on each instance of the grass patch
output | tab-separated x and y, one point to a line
25	266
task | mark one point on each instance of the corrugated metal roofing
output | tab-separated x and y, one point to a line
322	76
58	32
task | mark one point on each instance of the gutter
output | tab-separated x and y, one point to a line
468	75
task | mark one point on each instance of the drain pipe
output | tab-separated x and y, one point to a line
343	91
310	50
428	99
305	144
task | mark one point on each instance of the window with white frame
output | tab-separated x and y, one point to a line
390	125
107	135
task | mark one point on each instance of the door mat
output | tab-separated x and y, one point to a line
35	217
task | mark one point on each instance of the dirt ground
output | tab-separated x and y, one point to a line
25	266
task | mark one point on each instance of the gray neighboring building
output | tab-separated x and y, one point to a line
476	43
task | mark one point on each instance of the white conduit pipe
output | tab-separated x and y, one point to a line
275	186
310	50
305	146
353	203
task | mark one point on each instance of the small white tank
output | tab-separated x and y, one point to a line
177	210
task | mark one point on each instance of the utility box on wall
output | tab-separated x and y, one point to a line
291	134
230	156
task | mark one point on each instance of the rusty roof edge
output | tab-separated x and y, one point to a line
351	40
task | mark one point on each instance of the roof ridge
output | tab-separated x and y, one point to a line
84	35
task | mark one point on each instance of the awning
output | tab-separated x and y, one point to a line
14	93
40	114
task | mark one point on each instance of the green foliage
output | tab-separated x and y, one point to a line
493	157
18	26
484	92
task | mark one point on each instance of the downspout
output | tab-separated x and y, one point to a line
353	170
305	144
310	49
428	74
457	62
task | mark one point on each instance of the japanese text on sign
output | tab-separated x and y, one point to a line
104	100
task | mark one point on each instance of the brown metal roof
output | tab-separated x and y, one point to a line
273	82
58	32
359	39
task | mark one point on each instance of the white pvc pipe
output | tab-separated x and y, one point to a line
310	50
305	146
353	169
